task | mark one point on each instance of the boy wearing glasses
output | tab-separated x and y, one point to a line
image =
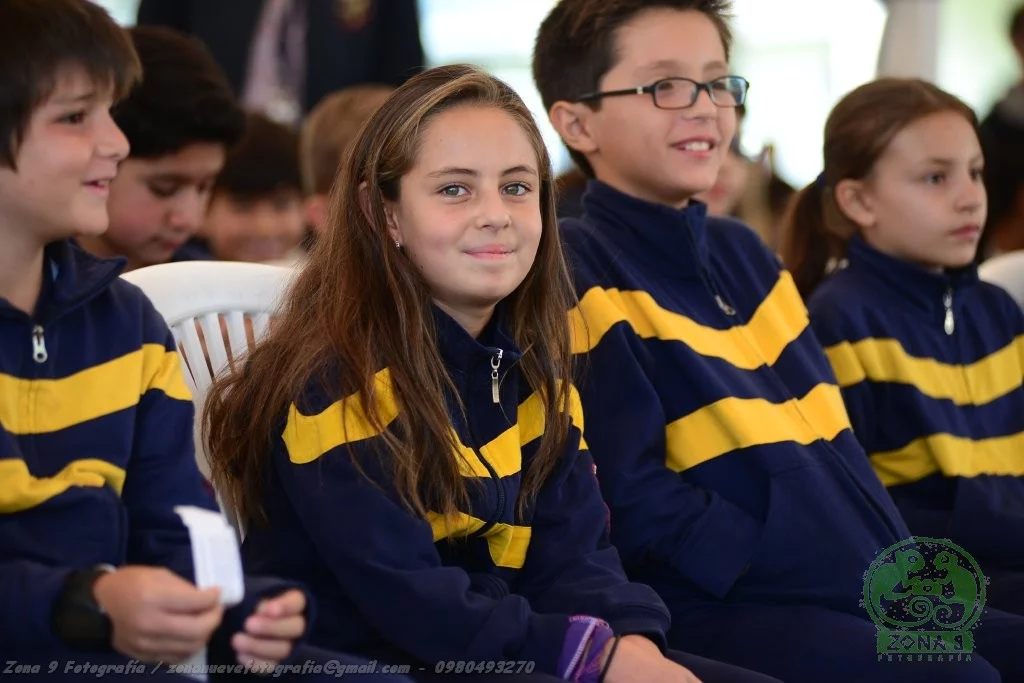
736	487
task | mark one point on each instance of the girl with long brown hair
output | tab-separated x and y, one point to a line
930	359
407	440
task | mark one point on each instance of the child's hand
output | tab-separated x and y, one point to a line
157	615
271	631
638	660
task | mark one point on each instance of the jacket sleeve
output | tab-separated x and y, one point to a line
571	567
28	588
384	560
163	474
656	515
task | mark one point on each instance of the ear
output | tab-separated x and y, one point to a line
855	201
315	210
572	121
389	211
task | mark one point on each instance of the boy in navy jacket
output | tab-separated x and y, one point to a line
180	121
95	419
736	486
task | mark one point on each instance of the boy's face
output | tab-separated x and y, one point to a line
664	156
258	230
66	161
156	205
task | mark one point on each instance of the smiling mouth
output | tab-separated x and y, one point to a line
490	254
98	185
696	146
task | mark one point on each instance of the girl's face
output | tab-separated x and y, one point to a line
468	213
924	201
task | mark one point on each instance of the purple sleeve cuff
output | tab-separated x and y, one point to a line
585	640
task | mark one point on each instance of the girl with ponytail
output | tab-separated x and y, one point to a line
930	359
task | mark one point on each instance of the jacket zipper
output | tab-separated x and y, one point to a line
39	354
949	323
491	472
949	327
780	385
495	364
705	275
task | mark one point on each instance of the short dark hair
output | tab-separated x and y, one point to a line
265	161
184	97
40	37
576	47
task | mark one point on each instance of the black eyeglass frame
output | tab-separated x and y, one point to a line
652	90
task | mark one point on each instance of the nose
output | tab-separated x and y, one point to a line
265	221
112	143
972	197
187	211
494	212
703	107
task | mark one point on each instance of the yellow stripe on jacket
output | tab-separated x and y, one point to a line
951	456
20	491
39	406
506	543
778	321
733	423
885	360
307	437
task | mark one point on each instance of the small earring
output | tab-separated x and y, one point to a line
398	245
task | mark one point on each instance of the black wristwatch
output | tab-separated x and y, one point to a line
78	620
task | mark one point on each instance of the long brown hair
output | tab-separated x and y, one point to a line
857	133
361	303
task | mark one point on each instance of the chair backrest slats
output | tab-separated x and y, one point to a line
238	340
260	324
210	307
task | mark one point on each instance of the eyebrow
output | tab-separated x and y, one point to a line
453	170
942	161
671	64
175	177
74	99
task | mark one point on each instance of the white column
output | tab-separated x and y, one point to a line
910	42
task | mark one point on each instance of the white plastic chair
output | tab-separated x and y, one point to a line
1007	271
214	297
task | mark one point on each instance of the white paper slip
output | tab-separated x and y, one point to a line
216	561
215	556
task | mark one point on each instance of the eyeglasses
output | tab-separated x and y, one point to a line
680	93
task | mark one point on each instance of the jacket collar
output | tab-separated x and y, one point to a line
670	240
462	353
911	283
71	276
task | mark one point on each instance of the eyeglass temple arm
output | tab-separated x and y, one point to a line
639	90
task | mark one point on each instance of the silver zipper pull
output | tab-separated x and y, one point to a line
949	324
495	364
39	354
726	308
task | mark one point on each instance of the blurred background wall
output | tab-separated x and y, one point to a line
799	55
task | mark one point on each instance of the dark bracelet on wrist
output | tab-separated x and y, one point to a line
608	662
77	618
